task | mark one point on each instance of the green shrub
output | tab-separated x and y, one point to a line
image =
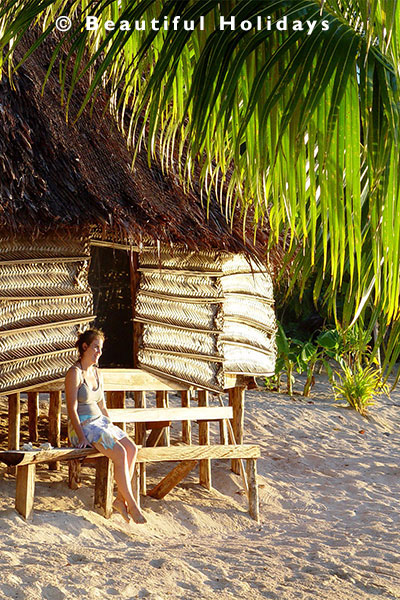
359	387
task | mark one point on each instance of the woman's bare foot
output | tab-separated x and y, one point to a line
120	506
136	515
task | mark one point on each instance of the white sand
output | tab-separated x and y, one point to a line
329	520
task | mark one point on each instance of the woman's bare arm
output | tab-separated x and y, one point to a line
72	382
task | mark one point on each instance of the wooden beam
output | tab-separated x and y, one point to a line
186	425
14	421
33	415
104	486
54	434
137	380
236	400
156	437
204	439
159	415
172	479
25	490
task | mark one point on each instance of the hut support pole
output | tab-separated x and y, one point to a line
140	439
204	440
186	425
236	400
14	421
54	435
33	414
162	402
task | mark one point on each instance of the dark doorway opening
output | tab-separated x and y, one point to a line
110	282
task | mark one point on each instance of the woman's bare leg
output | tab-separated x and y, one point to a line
131	453
118	455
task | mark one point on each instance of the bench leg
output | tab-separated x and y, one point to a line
251	468
25	490
74	474
104	486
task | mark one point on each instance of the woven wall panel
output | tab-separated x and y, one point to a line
181	285
28	342
250	307
180	259
17	249
259	284
256	362
180	321
35	370
18	313
45	299
176	340
194	316
203	373
43	279
243	333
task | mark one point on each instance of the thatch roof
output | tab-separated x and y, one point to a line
55	176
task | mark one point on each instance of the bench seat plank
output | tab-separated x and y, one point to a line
157	454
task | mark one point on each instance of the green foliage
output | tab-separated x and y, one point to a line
294	354
359	387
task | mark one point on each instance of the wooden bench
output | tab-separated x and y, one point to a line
188	456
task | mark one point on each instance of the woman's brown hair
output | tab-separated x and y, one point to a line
87	337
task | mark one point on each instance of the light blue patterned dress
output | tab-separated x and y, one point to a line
97	427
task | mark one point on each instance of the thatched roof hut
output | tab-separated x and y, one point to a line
202	306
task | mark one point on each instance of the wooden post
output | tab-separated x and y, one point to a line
186	425
25	490
236	400
33	414
116	400
204	440
223	432
162	402
251	470
104	486
14	421
54	434
140	438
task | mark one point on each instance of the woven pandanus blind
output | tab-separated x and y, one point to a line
204	315
45	299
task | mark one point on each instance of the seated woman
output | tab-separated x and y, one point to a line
89	423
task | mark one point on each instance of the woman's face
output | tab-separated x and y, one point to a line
93	351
